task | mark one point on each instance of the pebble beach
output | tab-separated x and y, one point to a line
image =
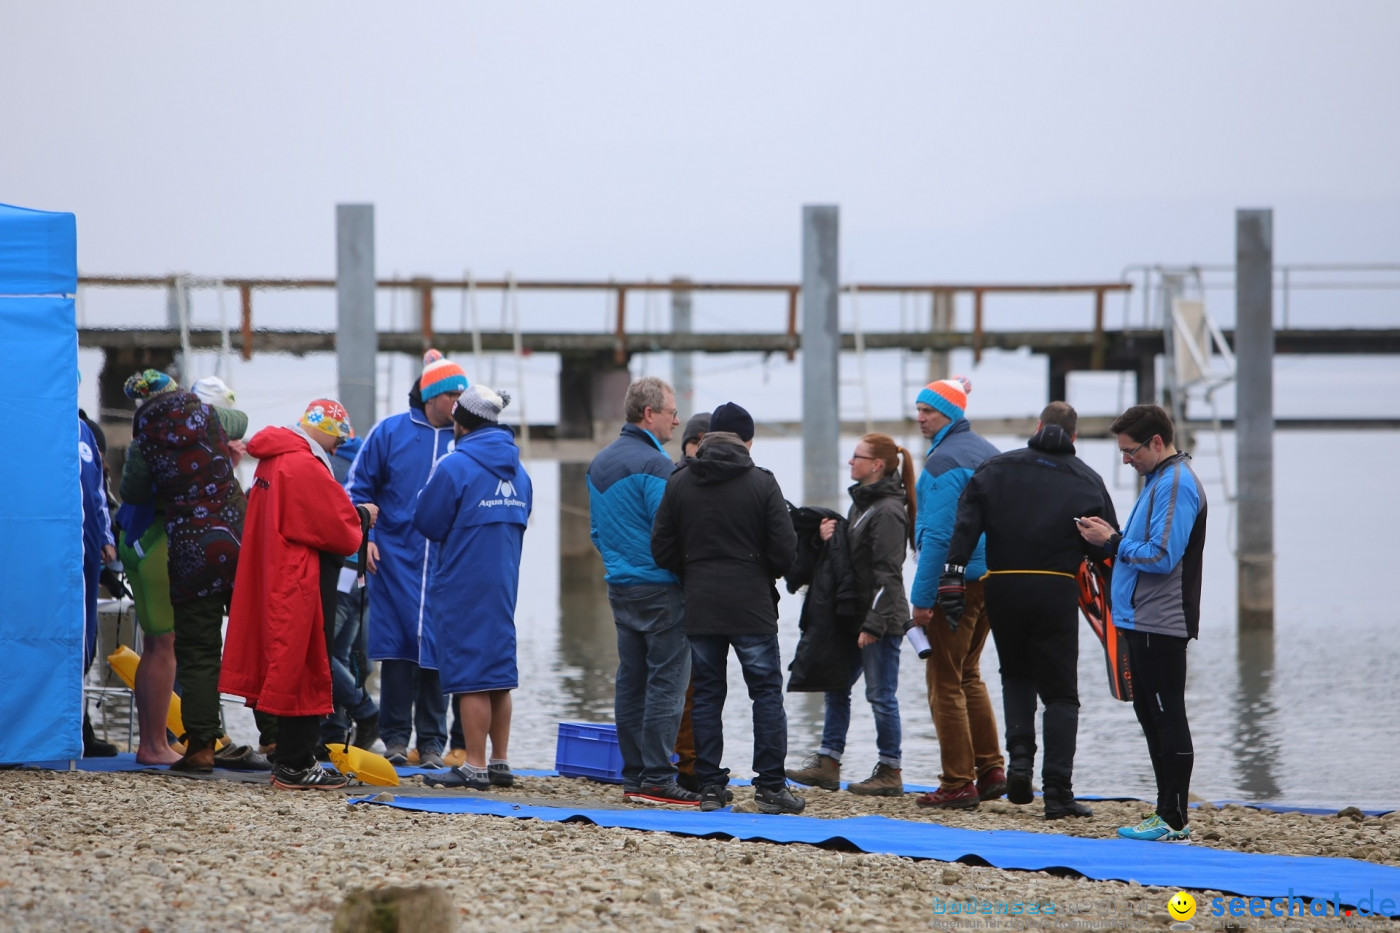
154	852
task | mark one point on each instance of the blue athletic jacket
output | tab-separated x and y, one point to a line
390	471
625	484
475	505
955	454
97	521
1157	573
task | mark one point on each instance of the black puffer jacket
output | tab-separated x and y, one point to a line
878	530
1026	501
723	528
831	612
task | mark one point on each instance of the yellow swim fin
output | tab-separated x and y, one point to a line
364	765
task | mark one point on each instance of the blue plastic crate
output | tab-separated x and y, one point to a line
589	750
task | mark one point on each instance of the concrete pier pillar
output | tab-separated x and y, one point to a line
821	347
682	364
592	387
940	361
357	339
1254	414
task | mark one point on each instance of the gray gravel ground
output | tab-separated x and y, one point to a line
132	852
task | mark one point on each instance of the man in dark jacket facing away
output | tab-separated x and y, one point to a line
723	528
1028	502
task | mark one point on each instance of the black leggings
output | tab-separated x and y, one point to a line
297	738
1158	665
1035	620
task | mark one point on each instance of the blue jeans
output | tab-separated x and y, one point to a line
762	666
880	665
411	697
348	669
653	669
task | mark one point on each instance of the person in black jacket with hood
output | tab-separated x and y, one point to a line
723	528
882	513
1028	502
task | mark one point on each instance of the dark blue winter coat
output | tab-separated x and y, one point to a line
97	530
475	507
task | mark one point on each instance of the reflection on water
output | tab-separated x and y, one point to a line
587	639
1256	746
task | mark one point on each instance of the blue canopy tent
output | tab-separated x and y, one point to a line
41	511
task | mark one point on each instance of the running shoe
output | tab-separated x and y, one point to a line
1155	829
312	778
777	800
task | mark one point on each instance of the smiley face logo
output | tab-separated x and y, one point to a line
1182	906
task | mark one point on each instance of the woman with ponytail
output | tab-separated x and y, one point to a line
879	526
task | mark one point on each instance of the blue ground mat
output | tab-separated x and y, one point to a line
126	761
1346	881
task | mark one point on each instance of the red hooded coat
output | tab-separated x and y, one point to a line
275	653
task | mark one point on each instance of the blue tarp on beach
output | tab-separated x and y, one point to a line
41	512
1172	866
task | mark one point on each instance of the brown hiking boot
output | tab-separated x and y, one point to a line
198	758
991	785
818	771
884	781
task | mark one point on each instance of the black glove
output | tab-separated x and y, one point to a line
951	594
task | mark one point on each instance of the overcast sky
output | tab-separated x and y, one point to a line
1004	141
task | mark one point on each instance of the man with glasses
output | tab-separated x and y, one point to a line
625	484
1157	604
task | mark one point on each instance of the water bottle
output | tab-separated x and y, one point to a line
919	641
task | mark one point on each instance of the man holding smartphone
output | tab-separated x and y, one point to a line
1029	503
1157	604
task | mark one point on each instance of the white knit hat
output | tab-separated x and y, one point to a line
482	401
212	391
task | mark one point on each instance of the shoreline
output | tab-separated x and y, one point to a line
131	851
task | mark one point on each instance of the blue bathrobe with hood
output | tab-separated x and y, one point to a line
475	507
390	470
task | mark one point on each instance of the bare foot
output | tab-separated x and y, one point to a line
165	756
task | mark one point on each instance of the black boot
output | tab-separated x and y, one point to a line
93	747
1020	765
1060	803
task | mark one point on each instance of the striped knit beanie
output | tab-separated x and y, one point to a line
440	375
948	396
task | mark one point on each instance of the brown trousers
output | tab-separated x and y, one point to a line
962	712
